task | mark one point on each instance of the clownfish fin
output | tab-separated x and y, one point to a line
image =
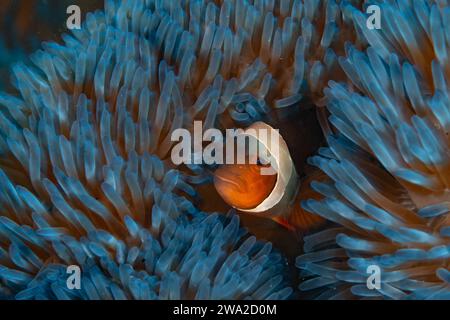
298	217
302	220
284	222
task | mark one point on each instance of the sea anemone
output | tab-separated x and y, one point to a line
387	162
85	175
86	178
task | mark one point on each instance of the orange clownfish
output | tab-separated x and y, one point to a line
276	196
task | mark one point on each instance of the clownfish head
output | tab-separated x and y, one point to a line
275	196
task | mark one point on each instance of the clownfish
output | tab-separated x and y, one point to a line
276	196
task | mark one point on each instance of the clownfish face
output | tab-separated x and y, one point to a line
242	186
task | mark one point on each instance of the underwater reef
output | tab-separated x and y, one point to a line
87	179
